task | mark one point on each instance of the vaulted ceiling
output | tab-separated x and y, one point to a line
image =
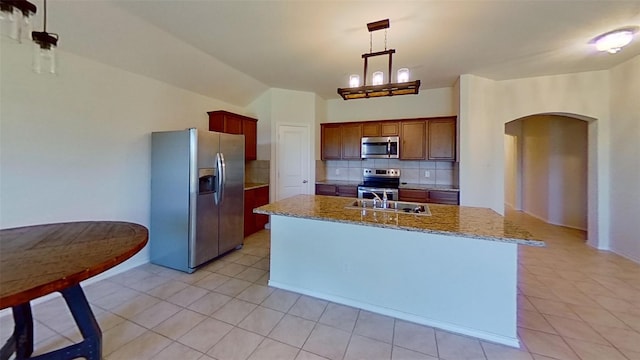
235	50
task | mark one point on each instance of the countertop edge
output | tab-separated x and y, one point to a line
251	186
535	243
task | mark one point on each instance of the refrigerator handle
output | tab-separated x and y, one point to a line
222	174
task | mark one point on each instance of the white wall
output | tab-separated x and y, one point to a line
77	146
281	106
484	103
625	159
513	164
481	142
536	155
428	103
585	95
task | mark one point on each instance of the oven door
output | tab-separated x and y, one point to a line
367	193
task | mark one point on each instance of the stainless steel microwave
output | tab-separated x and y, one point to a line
385	147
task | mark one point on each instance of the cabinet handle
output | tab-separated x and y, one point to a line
304	181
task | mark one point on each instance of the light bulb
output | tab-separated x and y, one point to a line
403	75
10	19
378	78
614	41
354	81
44	59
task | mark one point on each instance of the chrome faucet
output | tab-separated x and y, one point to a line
376	197
382	200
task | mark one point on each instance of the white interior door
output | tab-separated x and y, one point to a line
292	164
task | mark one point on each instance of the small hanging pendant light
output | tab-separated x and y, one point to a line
15	18
44	56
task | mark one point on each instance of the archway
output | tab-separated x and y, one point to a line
550	169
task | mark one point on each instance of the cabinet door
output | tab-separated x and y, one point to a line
249	221
216	121
389	128
232	124
412	139
351	141
413	195
442	139
326	189
261	198
347	190
444	197
250	131
331	144
370	129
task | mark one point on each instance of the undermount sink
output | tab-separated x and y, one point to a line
391	206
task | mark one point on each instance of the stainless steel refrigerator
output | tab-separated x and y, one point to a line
197	197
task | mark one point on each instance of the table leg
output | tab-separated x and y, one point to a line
91	347
21	341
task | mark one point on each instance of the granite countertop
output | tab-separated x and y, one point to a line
251	186
472	222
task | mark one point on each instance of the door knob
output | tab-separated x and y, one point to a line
304	181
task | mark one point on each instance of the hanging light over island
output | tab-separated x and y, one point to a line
378	87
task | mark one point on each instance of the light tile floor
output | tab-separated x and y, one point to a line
574	303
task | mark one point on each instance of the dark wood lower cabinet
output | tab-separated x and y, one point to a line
429	196
326	189
337	190
444	197
413	195
254	198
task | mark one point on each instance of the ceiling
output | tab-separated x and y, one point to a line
235	50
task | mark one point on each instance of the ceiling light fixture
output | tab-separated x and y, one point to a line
402	86
44	56
15	16
613	41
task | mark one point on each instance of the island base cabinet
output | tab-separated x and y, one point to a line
459	284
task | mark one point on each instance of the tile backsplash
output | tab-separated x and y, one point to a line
413	172
256	171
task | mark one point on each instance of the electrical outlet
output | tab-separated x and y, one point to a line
337	171
427	173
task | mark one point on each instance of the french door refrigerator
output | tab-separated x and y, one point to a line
197	197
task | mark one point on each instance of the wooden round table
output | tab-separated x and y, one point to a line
38	260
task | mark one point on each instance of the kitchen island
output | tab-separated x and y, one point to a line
455	269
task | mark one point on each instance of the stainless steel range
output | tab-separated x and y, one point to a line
379	182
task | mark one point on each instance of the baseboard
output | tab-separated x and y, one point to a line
513	342
626	256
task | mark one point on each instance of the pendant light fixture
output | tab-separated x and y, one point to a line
15	18
44	56
378	87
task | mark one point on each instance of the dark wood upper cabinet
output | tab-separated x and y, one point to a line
441	139
389	128
331	145
340	141
380	128
370	129
412	140
230	123
420	139
351	141
250	131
